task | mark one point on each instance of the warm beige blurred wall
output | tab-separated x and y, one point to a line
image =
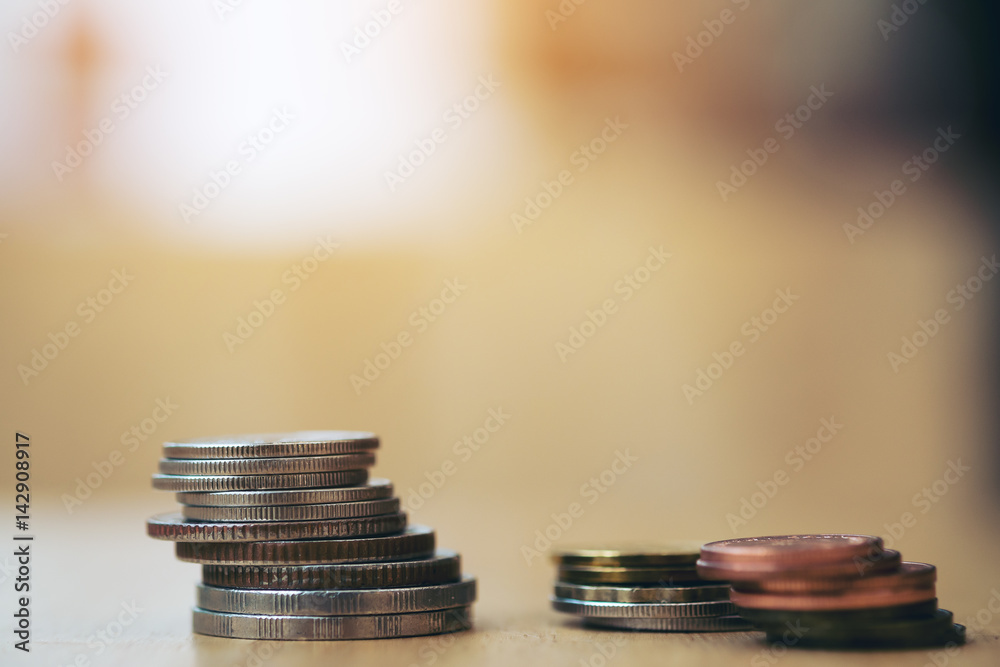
495	347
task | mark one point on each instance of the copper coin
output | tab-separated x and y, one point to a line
909	575
864	599
887	560
792	548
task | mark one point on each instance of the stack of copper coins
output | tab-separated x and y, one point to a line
297	542
652	588
832	591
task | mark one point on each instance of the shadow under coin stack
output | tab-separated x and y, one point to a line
297	543
832	591
651	588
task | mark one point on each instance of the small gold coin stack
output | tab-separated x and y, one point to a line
652	588
296	542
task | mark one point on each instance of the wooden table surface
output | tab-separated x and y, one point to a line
97	569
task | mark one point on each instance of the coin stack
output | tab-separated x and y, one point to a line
297	542
653	588
832	591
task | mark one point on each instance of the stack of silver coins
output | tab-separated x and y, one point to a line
654	588
296	542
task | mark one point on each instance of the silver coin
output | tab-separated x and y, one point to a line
174	528
282	466
293	512
442	568
271	445
641	610
414	542
375	489
207	483
711	624
642	594
338	602
381	626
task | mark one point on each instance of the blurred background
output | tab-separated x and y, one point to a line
692	234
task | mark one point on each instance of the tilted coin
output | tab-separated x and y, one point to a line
382	626
338	603
442	567
173	527
415	542
668	554
909	575
833	602
643	610
936	629
375	489
282	466
711	624
815	549
270	445
658	576
361	508
226	483
642	594
886	560
771	618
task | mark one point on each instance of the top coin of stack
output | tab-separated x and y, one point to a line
832	591
634	587
280	520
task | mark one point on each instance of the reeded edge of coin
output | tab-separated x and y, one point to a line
643	610
319	512
267	445
642	594
712	624
415	542
299	465
174	528
338	602
375	489
443	566
668	554
210	483
579	574
318	628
